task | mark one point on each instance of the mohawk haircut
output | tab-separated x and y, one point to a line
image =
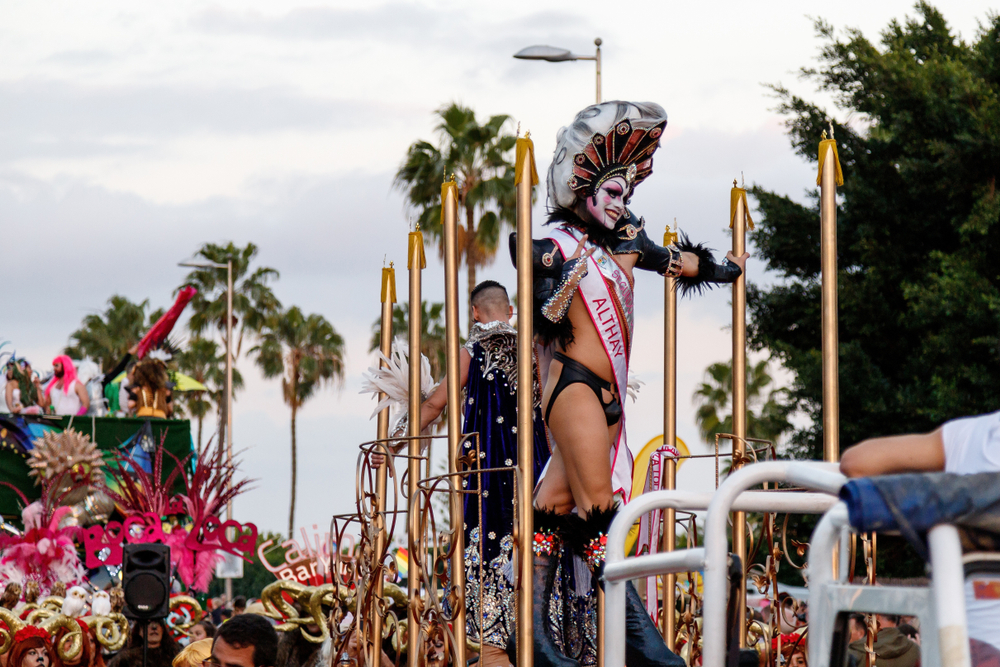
491	297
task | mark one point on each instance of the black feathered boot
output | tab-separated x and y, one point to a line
644	645
547	546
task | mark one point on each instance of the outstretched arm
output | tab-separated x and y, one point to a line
923	452
431	408
691	262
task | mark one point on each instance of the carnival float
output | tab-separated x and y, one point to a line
503	572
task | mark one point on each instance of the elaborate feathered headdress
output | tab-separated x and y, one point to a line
605	140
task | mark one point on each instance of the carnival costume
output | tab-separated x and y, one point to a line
491	411
605	141
24	398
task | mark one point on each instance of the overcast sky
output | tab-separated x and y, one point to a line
132	133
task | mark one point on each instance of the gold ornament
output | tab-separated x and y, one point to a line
68	451
311	599
10	623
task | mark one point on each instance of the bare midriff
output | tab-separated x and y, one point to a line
587	347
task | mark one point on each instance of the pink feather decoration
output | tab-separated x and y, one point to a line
207	489
44	553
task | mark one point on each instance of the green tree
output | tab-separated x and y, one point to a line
432	333
306	352
918	232
767	409
106	337
253	301
480	157
205	362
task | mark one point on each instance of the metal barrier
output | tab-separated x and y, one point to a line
940	607
713	558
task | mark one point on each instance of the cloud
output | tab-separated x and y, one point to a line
421	24
58	118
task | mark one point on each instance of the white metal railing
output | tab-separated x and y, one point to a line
713	558
941	607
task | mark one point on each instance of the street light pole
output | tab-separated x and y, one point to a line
554	54
228	266
597	60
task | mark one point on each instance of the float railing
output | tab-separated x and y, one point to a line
940	607
713	558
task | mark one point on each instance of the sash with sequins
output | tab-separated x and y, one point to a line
607	295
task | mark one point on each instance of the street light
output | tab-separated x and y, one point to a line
228	266
556	55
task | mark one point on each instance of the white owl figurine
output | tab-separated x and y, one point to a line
75	602
101	606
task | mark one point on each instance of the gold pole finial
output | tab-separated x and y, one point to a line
734	182
823	136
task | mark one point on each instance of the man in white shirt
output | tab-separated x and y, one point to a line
963	446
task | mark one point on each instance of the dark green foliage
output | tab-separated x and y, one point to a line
918	232
106	337
432	333
479	157
767	414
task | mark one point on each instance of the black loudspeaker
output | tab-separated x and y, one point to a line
146	581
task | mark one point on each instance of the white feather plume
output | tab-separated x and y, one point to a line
394	379
633	386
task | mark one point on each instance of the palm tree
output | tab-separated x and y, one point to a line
432	335
253	301
479	156
767	417
106	337
306	352
203	361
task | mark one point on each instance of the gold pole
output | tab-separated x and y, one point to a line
385	330
525	178
828	260
738	225
669	596
449	206
416	261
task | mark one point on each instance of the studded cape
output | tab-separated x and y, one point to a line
491	411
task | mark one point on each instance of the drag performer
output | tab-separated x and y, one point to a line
23	392
583	282
66	393
488	365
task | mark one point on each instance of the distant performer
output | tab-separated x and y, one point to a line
149	393
583	282
488	364
23	392
66	394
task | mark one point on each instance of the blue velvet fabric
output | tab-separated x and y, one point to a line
915	503
491	411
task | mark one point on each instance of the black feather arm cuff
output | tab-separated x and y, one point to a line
709	273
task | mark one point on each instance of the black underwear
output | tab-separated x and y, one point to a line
573	372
